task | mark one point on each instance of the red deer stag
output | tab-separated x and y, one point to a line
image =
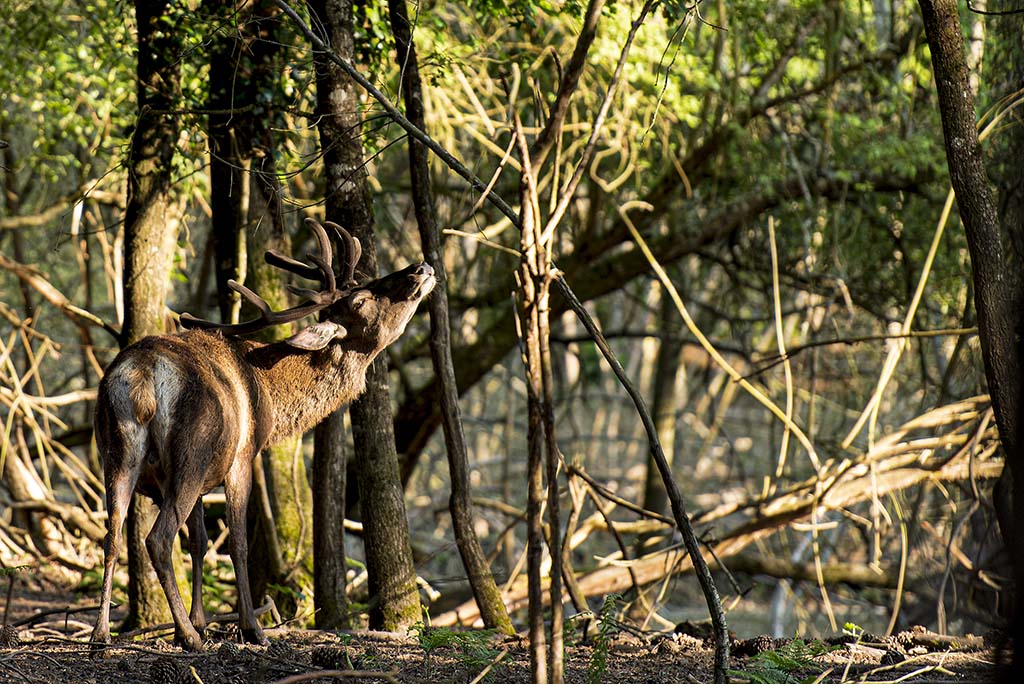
178	415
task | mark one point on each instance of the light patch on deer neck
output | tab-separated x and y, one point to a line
305	387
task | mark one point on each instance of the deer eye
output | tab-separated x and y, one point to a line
359	299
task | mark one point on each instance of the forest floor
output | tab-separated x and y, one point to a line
49	648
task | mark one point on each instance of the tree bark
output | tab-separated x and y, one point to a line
151	231
665	403
1004	71
246	201
996	268
330	455
481	581
392	577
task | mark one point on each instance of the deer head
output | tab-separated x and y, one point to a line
377	312
177	415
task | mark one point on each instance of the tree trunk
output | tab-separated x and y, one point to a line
229	154
1004	74
392	577
995	264
151	232
247	208
330	454
481	581
666	402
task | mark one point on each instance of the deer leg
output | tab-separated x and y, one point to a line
236	493
197	541
119	490
178	504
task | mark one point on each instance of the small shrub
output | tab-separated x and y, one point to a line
472	649
780	665
607	627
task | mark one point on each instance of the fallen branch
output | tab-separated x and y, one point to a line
897	465
218	618
72	516
832	574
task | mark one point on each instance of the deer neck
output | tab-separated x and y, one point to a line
303	387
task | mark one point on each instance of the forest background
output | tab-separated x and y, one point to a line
810	356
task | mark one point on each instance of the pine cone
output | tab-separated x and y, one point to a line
330	657
228	649
10	637
280	650
167	671
755	645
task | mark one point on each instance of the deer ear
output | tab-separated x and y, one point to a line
317	336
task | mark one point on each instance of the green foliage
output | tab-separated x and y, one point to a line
67	75
219	588
524	12
781	665
607	627
472	649
15	569
372	34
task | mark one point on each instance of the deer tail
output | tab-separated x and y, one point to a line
142	393
130	393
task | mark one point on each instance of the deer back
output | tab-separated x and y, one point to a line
188	401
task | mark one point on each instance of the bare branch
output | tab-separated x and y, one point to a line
34	279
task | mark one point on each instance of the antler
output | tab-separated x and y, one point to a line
352	251
316	300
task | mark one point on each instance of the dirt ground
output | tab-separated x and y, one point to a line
47	645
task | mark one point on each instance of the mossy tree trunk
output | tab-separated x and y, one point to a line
249	219
151	232
394	598
481	581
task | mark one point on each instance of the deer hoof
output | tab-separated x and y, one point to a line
254	636
190	641
100	637
199	622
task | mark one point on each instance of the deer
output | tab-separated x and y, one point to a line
180	414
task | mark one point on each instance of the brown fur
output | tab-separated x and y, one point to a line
178	415
140	393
